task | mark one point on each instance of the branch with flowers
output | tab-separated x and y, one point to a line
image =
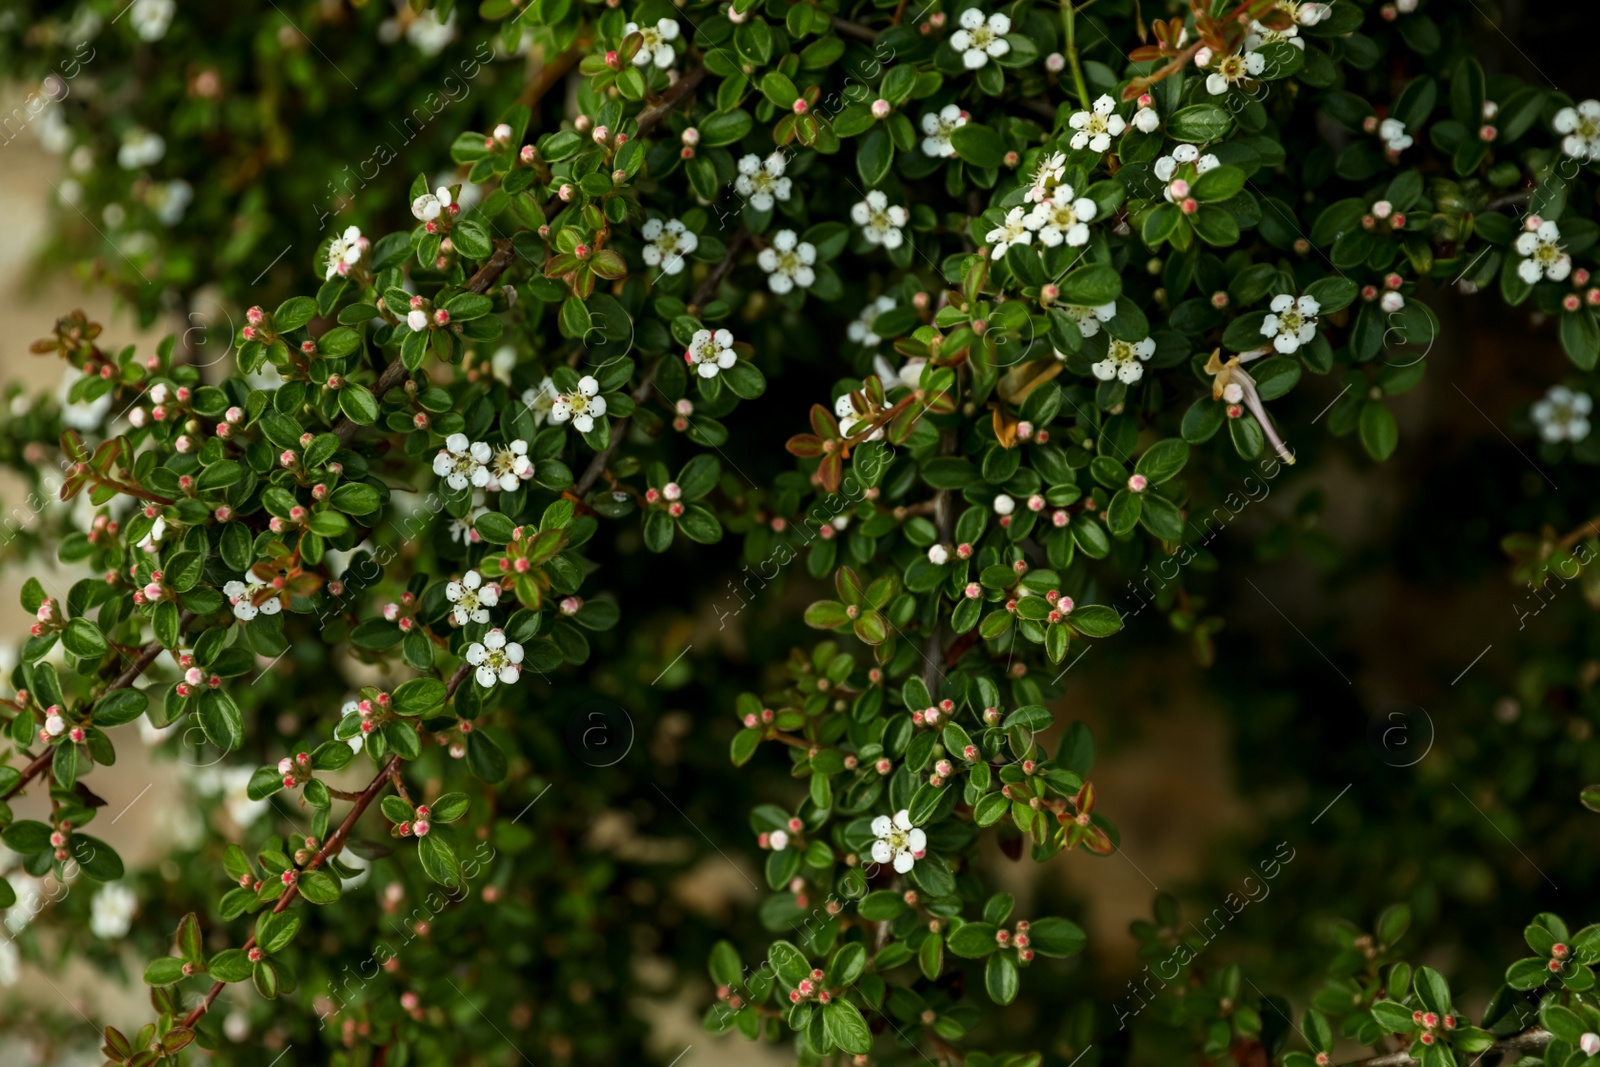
1032	311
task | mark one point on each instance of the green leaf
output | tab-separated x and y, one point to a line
1378	431
164	972
419	696
788	963
1057	937
221	720
846	1028
1199	123
319	888
358	405
979	145
83	639
973	941
119	706
294	313
1095	620
1000	978
439	859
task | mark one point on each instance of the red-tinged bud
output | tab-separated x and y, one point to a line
1002	936
1399	221
289	877
404	828
254	316
420	420
1189	205
1559	950
256	955
441	317
1427	1038
800	107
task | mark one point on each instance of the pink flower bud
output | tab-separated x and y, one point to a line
881	108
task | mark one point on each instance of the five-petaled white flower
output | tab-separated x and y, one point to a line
510	466
472	598
1124	360
461	462
898	842
242	595
860	331
1046	176
429	206
657	44
583	405
710	352
1563	415
1546	258
1089	318
1234	70
1300	14
1292	322
909	374
1394	135
1014	231
979	38
1096	128
761	181
1062	218
495	658
788	262
879	220
344	251
1581	129
540	399
937	127
669	242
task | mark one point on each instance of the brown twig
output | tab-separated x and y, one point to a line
330	848
708	288
855	29
651	116
396	372
140	664
548	74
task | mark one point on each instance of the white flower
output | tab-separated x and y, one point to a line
150	18
428	206
936	129
495	658
171	200
1014	231
762	183
510	466
938	555
344	250
1046	175
417	320
430	36
583	405
1183	155
1391	302
779	840
461	530
140	148
1562	415
1124	361
710	352
1546	258
461	462
10	961
1061	218
860	331
1394	135
1096	128
1234	70
898	841
657	43
1004	504
152	540
1147	120
788	262
540	400
1089	318
849	418
909	374
472	599
1300	14
111	911
1581	125
669	242
979	38
242	595
1292	322
880	221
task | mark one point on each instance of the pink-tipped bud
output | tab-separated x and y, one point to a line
881	108
800	107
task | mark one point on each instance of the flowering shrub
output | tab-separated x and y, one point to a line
1044	302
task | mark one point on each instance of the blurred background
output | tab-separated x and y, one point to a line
1356	673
